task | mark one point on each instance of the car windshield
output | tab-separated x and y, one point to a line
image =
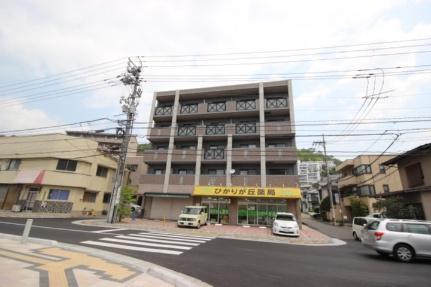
285	217
190	210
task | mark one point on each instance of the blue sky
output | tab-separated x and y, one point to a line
43	38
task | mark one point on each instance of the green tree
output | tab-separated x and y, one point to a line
143	147
358	207
128	196
325	206
394	207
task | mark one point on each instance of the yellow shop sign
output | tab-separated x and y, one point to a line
247	191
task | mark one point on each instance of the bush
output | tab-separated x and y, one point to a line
325	206
394	207
128	196
358	208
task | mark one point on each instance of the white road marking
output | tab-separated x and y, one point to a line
146	243
109	230
184	235
149	235
135	248
155	240
177	236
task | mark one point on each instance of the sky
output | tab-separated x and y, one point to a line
59	62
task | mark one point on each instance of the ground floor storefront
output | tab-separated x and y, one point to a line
227	205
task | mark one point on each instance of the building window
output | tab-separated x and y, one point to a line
163	111
13	164
382	168
106	197
246	105
366	190
66	164
362	169
415	175
215	129
58	194
89	196
246	128
217	107
386	188
102	171
275	103
189	109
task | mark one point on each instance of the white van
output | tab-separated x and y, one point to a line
358	224
194	216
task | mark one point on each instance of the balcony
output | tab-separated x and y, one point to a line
186	131
189	109
206	179
152	155
216	107
245	180
179	183
214	155
346	181
159	133
245	128
281	154
245	155
163	111
218	129
151	183
282	180
281	128
246	105
276	103
184	155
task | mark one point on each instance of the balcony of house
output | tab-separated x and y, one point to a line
244	129
66	178
214	154
182	179
277	128
345	166
212	179
184	152
281	154
155	155
186	131
213	131
282	175
163	112
8	176
245	155
277	104
159	133
245	175
346	181
151	182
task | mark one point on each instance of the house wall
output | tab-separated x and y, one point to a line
426	169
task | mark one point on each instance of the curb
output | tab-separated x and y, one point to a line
333	241
157	271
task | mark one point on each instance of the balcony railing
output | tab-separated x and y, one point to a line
186	131
189	109
215	130
163	111
214	154
245	128
276	103
217	107
246	105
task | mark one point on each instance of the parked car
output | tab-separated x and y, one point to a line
194	216
376	215
285	224
358	224
404	239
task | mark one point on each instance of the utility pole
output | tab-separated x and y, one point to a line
331	200
132	79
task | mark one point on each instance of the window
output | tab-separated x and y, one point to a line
106	197
366	190
158	171
89	196
66	164
13	164
382	168
217	107
385	188
362	169
182	171
397	227
58	194
102	171
373	225
359	221
415	176
417	228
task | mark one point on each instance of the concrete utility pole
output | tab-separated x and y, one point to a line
331	200
129	104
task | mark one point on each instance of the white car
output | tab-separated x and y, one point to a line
194	216
358	224
285	224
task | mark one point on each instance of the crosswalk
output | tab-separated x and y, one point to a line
153	242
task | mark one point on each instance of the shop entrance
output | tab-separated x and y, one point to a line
218	209
259	211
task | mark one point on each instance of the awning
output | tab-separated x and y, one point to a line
29	177
167	195
248	191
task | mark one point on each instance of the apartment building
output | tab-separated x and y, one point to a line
231	148
415	172
365	176
54	173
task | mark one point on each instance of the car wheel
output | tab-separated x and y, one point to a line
384	254
403	253
355	236
198	225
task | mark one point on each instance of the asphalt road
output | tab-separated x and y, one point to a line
223	262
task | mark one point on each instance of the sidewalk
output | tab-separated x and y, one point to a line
308	235
340	232
46	263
